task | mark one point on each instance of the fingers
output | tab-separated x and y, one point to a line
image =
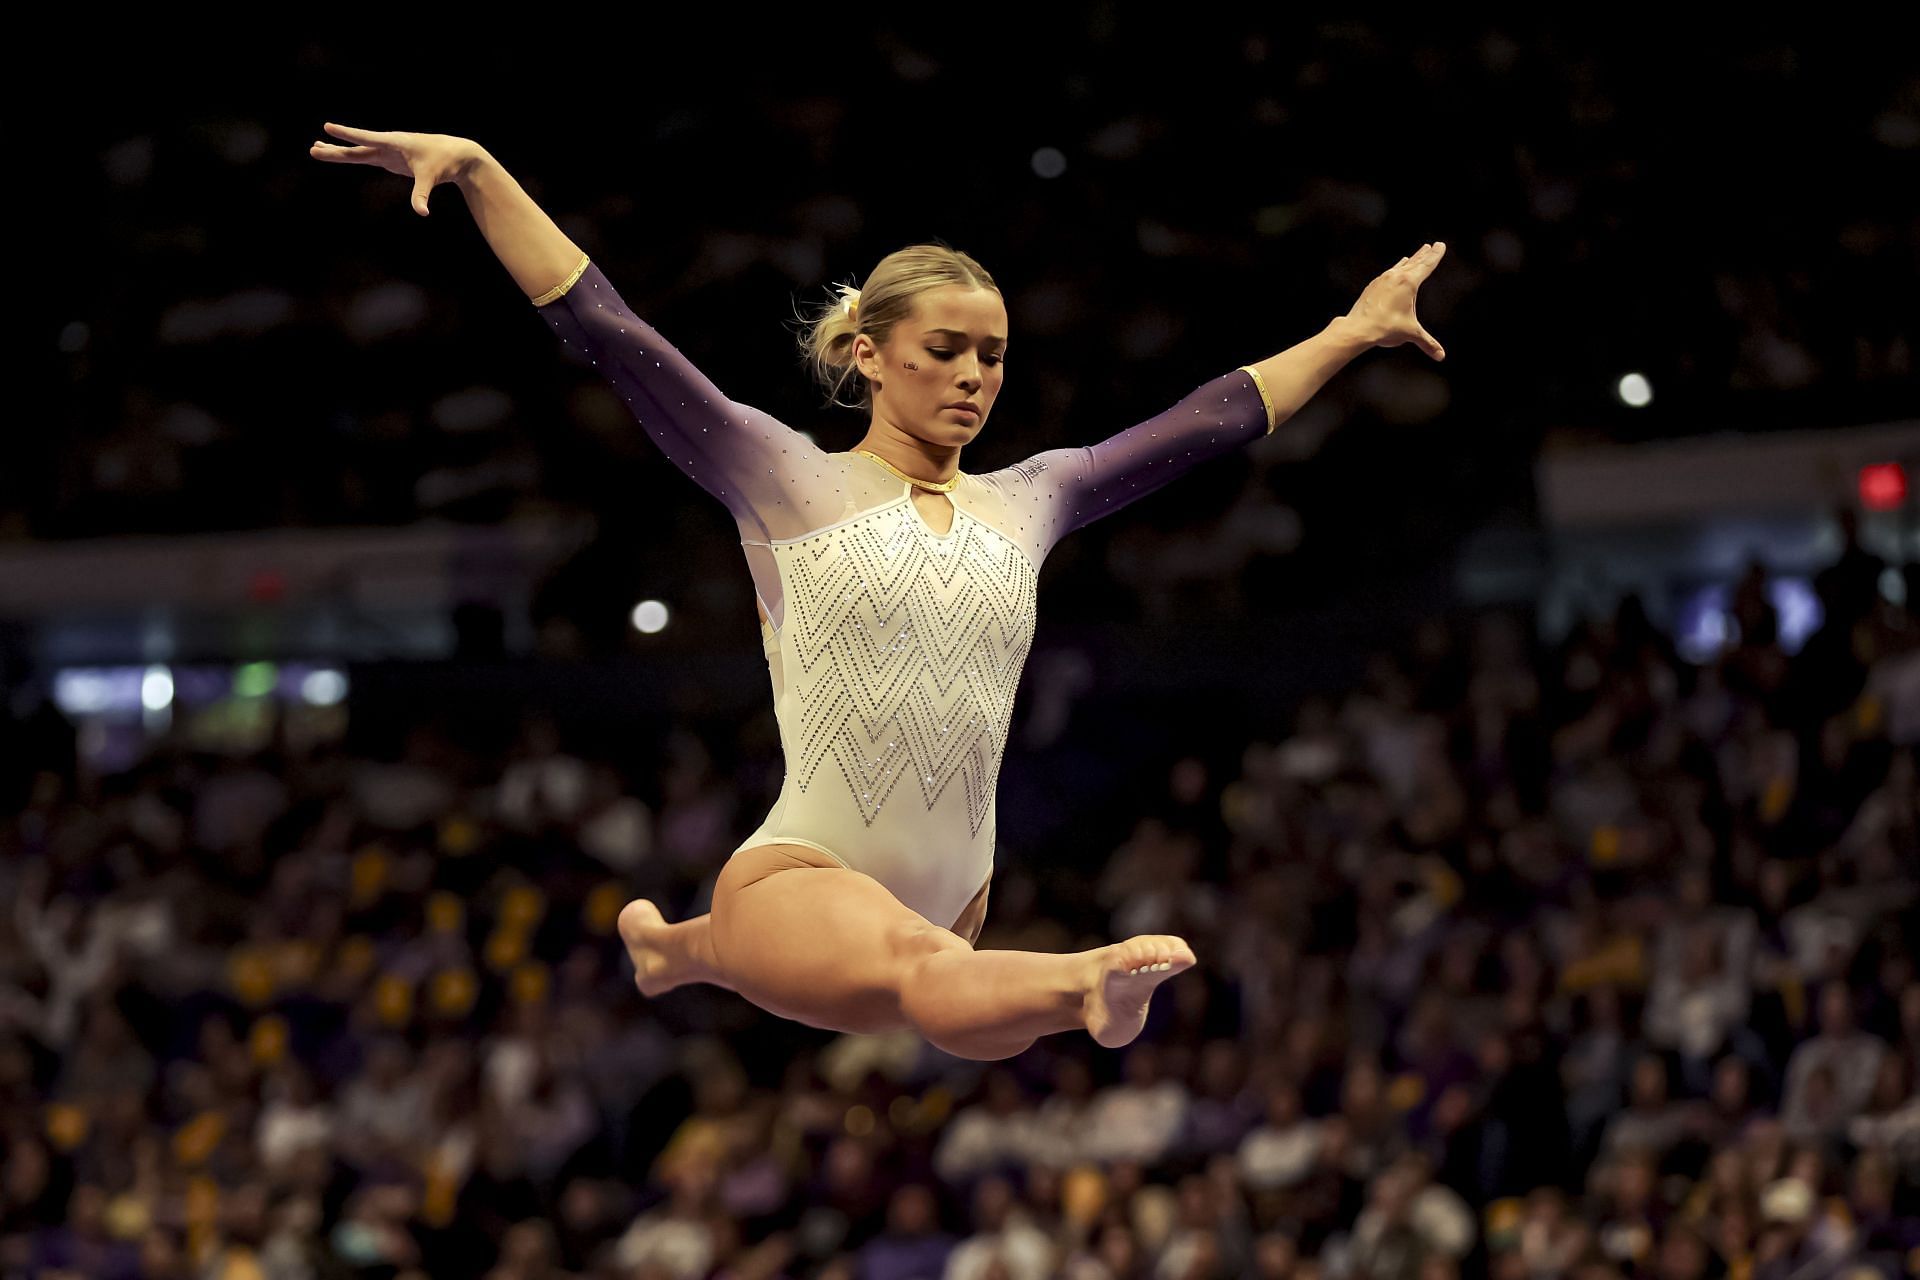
1421	262
331	151
358	135
1429	257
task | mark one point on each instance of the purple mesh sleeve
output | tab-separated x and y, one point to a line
739	454
1071	487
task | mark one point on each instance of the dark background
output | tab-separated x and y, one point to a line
1521	954
1728	213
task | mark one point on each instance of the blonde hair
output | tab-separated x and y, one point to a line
876	307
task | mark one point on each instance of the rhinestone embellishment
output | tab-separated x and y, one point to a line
906	654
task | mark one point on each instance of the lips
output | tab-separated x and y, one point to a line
966	408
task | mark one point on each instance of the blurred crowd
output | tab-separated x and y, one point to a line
1518	959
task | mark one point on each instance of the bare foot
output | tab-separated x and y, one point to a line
1122	980
641	926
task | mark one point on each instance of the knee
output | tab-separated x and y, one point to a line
916	943
926	962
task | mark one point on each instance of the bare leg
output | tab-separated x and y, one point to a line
832	948
665	955
984	1001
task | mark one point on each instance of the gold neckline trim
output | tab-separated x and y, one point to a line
937	486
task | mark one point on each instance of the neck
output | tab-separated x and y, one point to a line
913	456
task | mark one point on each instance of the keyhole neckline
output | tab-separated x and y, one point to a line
906	493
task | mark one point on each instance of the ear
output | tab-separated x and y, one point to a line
866	355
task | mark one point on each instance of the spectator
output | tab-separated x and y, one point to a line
401	1042
1845	1060
1005	1240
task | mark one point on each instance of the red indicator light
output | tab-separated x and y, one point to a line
267	585
1883	486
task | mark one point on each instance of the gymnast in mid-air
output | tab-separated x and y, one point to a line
896	596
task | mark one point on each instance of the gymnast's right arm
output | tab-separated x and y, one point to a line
741	455
755	464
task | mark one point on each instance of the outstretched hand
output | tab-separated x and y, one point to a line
1384	312
428	158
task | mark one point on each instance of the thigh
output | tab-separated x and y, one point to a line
807	939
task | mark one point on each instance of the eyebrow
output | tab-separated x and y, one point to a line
959	333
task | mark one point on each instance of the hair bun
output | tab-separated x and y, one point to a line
833	329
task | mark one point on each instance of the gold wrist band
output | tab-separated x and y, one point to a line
1265	399
564	285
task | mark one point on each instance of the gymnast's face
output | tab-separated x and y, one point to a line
951	349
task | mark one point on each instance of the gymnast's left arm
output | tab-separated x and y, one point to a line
1072	487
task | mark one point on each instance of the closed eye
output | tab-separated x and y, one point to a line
990	359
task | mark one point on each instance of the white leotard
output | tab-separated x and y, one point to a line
894	651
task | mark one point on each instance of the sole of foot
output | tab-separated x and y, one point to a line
640	926
1122	982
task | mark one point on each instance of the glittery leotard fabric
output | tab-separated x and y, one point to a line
894	651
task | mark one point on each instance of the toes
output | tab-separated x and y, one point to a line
629	921
636	920
1157	955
